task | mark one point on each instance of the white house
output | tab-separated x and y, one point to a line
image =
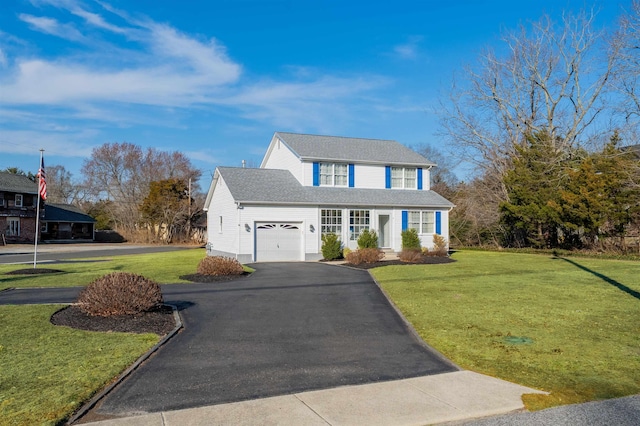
309	185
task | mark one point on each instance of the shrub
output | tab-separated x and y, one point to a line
410	255
119	293
331	247
439	245
410	239
220	265
345	252
365	255
368	239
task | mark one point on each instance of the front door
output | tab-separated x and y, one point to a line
384	232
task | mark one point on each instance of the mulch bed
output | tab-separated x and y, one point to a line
200	278
425	260
33	271
158	321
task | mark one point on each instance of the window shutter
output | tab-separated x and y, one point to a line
316	174
405	220
352	177
439	223
387	177
419	177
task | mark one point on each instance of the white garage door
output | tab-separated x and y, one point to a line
278	242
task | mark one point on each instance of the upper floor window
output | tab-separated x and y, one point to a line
334	174
404	177
18	200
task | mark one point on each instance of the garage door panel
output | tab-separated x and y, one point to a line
278	242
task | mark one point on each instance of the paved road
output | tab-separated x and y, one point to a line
48	253
286	328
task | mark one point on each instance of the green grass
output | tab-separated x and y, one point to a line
161	267
582	316
47	372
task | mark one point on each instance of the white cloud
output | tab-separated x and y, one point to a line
408	50
52	26
97	20
68	144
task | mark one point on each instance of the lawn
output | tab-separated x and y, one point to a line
568	326
161	267
47	372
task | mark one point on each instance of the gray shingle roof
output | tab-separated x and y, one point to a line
273	186
10	182
65	213
335	148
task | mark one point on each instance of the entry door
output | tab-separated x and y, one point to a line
277	242
384	231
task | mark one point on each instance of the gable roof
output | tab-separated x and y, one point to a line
65	213
11	182
274	186
337	148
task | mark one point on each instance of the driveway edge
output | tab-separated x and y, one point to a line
96	398
412	330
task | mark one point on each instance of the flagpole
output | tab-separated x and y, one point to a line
37	232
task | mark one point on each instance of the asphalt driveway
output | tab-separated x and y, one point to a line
289	327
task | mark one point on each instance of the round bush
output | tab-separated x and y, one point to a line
220	265
120	293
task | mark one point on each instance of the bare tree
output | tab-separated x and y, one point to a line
627	41
61	187
121	173
548	78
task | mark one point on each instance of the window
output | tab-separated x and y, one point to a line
1	199
13	227
331	221
404	177
421	221
18	202
358	222
334	174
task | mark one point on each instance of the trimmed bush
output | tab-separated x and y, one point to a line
439	246
120	293
368	239
346	251
410	239
220	265
410	255
331	247
364	255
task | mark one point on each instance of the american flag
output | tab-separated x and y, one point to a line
42	181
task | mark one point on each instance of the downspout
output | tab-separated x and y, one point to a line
239	230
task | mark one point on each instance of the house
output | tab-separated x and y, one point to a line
310	185
66	222
18	200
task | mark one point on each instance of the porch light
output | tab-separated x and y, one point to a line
311	228
247	227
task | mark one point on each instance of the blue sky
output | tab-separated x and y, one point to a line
215	79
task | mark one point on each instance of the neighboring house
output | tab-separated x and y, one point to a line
66	222
18	198
310	185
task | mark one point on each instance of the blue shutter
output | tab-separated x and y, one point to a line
316	174
387	177
419	177
405	219
439	223
352	176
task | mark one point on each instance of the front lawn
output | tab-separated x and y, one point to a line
47	372
570	326
163	268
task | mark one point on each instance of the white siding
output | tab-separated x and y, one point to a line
222	204
249	215
279	156
369	176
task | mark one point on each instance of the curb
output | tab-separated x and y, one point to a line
96	398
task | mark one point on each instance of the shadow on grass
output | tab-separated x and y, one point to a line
604	278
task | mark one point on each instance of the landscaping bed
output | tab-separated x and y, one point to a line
424	260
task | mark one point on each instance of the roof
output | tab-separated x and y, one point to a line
274	186
10	182
337	148
65	213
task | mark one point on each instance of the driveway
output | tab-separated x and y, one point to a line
289	327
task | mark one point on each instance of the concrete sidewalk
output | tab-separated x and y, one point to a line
448	397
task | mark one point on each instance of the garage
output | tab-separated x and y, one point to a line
278	242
